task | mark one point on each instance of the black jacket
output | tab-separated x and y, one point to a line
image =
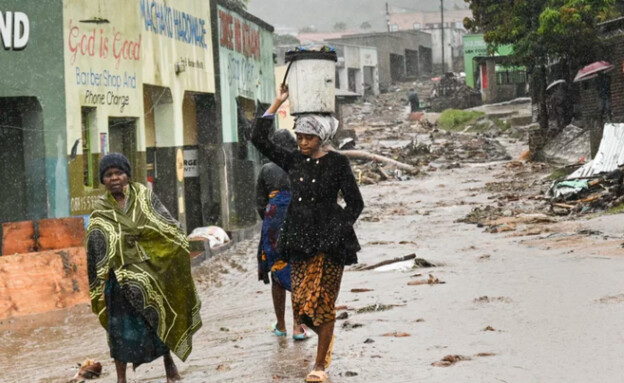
314	221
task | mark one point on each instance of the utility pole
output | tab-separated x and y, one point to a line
442	33
388	17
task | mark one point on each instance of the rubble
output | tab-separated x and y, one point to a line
451	91
581	196
385	144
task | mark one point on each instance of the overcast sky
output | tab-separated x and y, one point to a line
323	14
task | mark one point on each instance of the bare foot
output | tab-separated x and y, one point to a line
171	370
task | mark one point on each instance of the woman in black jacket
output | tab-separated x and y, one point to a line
317	237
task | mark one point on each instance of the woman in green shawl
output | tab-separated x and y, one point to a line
140	280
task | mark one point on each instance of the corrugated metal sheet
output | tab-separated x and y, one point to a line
610	153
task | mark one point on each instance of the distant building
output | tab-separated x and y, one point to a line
427	20
431	22
401	55
488	72
356	70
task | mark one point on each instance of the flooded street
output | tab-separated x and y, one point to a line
512	308
486	139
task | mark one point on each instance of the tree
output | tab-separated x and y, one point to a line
542	32
285	40
365	25
308	29
340	26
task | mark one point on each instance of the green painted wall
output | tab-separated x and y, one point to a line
37	71
475	46
246	66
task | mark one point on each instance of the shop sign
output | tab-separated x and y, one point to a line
239	35
14	30
191	168
161	19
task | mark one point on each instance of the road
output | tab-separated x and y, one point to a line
512	308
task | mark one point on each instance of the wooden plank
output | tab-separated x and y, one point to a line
60	233
35	283
18	237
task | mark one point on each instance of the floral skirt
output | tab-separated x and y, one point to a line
315	287
268	257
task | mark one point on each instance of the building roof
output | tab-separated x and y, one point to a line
318	37
382	34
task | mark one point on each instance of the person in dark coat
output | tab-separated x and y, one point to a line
317	237
272	199
412	97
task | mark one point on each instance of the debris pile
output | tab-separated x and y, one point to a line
451	91
384	143
587	195
517	199
597	185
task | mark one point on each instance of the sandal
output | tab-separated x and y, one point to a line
316	376
330	349
278	332
303	336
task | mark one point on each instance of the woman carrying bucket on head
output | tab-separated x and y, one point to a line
317	238
272	199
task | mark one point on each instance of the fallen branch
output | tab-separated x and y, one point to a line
591	198
389	262
360	154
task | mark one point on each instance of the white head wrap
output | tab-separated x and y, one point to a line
324	127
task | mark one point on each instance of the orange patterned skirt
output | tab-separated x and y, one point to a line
315	287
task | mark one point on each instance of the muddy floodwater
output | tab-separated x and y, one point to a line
511	308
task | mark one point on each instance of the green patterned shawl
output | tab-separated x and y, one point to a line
149	254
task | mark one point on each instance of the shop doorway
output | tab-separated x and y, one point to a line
397	67
22	160
192	184
122	138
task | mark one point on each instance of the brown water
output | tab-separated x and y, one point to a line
556	313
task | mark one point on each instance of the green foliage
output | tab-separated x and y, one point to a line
365	25
543	29
617	209
561	173
568	28
456	120
543	32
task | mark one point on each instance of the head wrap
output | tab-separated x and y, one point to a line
322	126
114	160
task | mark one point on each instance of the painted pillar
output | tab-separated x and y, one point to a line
31	63
246	77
